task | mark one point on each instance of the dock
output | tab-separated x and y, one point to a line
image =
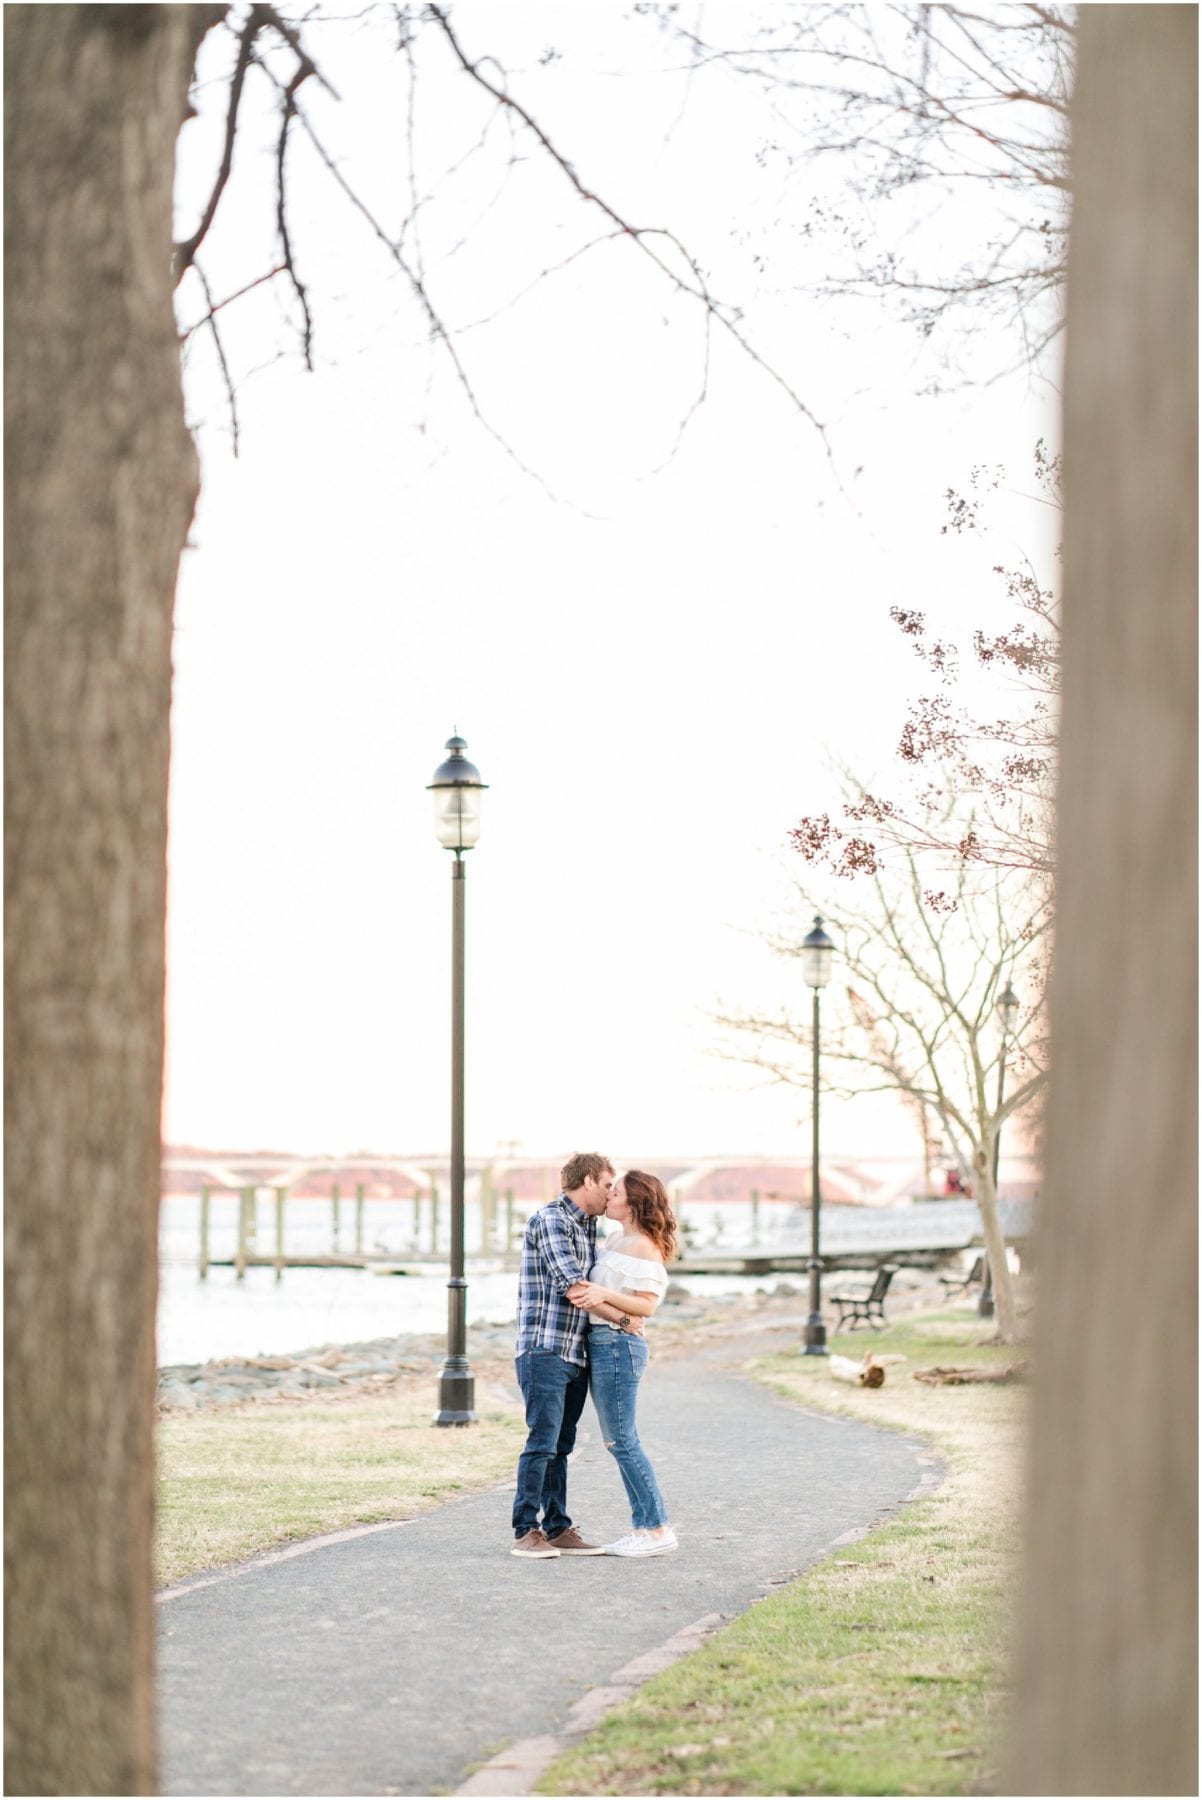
923	1235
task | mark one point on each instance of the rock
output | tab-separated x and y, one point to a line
178	1398
676	1292
785	1289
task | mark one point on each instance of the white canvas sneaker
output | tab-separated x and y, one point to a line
638	1543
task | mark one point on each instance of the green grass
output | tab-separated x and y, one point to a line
233	1483
880	1671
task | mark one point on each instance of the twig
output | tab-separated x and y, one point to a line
289	110
229	299
257	18
185	252
211	320
269	16
438	328
638	234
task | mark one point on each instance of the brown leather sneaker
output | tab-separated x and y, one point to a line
570	1543
533	1544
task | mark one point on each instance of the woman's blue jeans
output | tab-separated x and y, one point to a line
616	1364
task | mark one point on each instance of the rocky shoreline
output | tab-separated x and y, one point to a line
382	1365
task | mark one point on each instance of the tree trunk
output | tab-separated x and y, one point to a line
101	482
1107	1661
995	1246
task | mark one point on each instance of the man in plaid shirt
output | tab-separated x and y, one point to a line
558	1251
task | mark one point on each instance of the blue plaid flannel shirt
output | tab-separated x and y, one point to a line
558	1249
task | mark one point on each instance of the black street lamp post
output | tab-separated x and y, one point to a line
457	788
817	952
1007	1010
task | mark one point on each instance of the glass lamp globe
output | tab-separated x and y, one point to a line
817	954
1008	1008
457	788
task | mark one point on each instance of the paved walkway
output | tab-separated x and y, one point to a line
394	1661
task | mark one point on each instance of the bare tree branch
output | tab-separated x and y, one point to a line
185	251
210	319
639	235
287	114
913	96
917	1016
258	19
438	329
205	318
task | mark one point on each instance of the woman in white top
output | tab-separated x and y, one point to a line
627	1281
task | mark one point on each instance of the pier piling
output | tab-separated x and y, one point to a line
240	1252
280	1196
205	1199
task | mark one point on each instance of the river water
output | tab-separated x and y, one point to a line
221	1316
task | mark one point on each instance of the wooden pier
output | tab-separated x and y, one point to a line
249	1255
899	1238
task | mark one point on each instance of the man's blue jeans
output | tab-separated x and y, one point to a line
617	1361
555	1392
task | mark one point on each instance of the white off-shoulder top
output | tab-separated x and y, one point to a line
626	1275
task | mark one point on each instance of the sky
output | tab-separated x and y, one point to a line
655	649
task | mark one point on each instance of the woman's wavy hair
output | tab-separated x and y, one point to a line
651	1210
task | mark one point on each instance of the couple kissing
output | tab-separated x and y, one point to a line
582	1309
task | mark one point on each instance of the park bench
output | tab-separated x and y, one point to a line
960	1284
865	1305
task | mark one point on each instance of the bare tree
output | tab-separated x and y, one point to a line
101	485
101	482
917	1015
1106	1666
923	109
953	755
263	46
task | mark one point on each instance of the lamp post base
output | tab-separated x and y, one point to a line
456	1393
814	1341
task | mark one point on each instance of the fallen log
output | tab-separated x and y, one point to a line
868	1373
941	1376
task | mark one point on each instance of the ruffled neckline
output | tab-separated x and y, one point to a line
635	1262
